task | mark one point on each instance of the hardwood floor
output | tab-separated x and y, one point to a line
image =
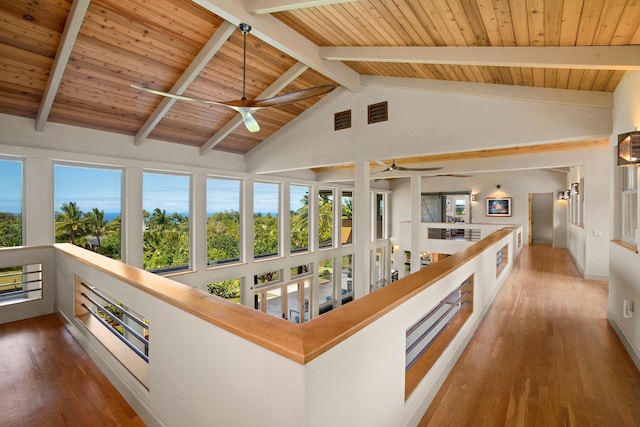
544	355
47	379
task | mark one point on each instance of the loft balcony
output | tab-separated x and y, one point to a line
209	360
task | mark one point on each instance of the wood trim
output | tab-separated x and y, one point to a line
300	343
483	154
625	245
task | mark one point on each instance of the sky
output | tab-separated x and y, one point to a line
10	186
98	188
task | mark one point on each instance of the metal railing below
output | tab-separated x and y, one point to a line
20	284
112	314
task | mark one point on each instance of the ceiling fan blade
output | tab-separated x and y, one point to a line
179	97
290	98
249	121
402	168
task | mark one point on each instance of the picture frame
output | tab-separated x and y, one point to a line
498	206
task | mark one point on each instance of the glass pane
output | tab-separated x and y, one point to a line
88	208
223	220
274	302
10	203
380	267
347	277
629	177
325	218
227	289
431	208
325	282
299	207
266	199
347	218
629	216
300	270
380	216
298	307
165	204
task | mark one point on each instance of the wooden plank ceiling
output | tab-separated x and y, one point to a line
161	44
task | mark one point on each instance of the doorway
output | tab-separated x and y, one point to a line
541	218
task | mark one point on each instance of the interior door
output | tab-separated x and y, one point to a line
542	218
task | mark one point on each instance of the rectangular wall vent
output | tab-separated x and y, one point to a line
342	120
378	112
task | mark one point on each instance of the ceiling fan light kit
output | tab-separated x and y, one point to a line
245	107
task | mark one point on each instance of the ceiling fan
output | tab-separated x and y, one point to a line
246	107
394	167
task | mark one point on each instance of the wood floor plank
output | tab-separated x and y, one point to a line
544	355
47	379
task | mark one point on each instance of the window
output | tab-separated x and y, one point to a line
227	289
326	298
347	218
629	201
325	218
380	216
88	209
10	203
299	219
223	221
347	278
165	204
266	230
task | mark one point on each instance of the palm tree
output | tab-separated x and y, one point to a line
70	224
96	225
159	219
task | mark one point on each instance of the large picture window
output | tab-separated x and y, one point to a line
299	218
266	230
165	204
223	220
10	203
87	203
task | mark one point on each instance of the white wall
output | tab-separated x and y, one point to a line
428	120
624	275
514	184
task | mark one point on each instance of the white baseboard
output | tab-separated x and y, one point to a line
633	352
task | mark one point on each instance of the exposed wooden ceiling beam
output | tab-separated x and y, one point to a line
483	154
274	88
188	76
69	35
275	33
273	6
565	57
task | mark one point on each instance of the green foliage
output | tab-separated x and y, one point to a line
223	236
10	229
299	228
166	240
325	220
88	230
265	234
227	289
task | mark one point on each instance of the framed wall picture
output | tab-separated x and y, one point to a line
498	206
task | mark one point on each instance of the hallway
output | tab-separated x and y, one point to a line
544	355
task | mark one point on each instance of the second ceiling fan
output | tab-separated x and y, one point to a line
246	107
394	167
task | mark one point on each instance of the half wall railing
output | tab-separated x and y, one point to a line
209	360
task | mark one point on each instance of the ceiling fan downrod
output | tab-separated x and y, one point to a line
244	29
